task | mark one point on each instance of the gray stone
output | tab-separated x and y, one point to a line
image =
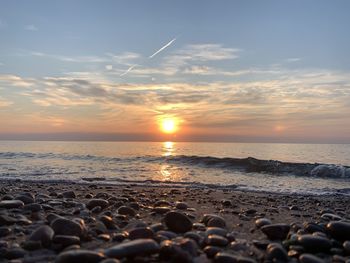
79	256
309	258
213	221
216	231
140	232
315	243
97	202
276	231
125	210
276	253
63	226
69	194
66	241
177	222
216	240
138	247
339	230
43	234
8	204
262	222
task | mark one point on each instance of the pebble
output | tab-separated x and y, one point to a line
262	222
125	210
97	202
34	207
216	231
69	194
8	204
63	226
7	220
314	243
276	253
171	250
181	205
26	198
140	232
224	257
213	220
309	258
346	246
216	240
276	231
44	234
177	222
211	251
79	256
138	247
65	240
4	231
339	230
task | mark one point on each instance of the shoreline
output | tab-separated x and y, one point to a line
125	215
168	185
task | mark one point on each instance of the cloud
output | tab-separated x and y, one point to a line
109	67
5	102
125	58
290	60
75	59
162	48
16	81
31	28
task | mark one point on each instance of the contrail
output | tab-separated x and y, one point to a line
162	48
127	71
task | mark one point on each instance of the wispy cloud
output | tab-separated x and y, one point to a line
31	28
290	60
162	48
5	102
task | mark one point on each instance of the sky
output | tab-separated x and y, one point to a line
251	71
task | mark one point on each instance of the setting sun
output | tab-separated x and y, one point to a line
168	125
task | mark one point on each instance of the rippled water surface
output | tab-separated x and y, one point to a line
182	163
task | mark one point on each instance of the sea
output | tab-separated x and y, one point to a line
316	169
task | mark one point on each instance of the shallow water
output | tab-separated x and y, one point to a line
181	163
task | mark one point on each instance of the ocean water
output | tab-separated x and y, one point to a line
288	168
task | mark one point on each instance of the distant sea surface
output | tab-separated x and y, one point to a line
288	168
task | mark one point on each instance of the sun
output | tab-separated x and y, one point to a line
169	125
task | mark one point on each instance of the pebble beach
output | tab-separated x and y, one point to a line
63	223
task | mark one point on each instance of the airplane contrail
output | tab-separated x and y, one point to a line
127	71
162	48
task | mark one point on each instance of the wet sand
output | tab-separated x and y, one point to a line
60	222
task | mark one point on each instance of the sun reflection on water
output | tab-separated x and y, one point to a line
168	148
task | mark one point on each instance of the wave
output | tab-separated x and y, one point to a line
251	164
248	165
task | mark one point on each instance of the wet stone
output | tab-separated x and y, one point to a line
262	222
140	232
339	230
79	256
161	209
138	247
125	210
8	204
211	251
216	231
224	257
25	198
63	226
216	240
276	231
108	222
211	220
43	234
181	205
97	202
34	207
65	240
276	252
177	222
346	246
309	258
14	253
315	243
173	251
7	220
69	194
4	231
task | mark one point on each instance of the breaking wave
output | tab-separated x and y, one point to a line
248	165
